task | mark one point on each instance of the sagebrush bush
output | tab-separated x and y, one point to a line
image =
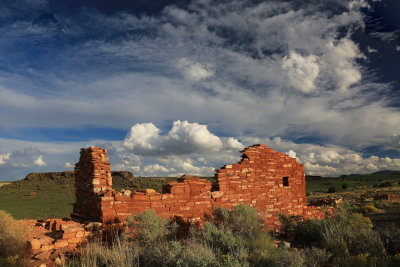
316	257
289	258
222	241
332	189
369	209
190	254
117	255
148	227
262	251
381	204
237	238
13	250
242	220
288	224
342	235
346	234
308	233
390	237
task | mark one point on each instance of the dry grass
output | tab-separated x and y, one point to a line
12	240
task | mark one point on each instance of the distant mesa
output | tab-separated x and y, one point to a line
387	172
50	176
60	176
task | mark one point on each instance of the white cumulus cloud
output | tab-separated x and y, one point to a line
371	50
301	71
39	161
195	71
339	63
4	157
183	138
68	165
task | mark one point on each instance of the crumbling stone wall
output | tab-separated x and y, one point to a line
386	196
48	239
92	177
270	181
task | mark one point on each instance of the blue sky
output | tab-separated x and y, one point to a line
173	87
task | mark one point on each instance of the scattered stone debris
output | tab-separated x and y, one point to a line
49	239
329	201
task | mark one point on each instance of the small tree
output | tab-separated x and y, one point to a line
332	189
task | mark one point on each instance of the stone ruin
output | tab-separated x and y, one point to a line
390	197
270	181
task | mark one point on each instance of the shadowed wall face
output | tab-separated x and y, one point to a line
92	176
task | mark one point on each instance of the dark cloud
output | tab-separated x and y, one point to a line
137	7
297	69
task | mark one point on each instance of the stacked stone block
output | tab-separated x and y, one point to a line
92	176
259	180
50	238
270	181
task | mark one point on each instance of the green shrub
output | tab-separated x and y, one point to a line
262	251
219	240
187	255
289	258
13	250
288	224
96	254
316	257
332	189
308	233
229	261
344	186
386	184
390	237
148	227
381	204
349	234
342	235
369	209
242	220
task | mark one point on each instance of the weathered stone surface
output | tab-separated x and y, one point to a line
270	181
50	238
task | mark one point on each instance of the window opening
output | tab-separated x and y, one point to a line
285	181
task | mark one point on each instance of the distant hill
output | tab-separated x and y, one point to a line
387	172
121	179
379	175
118	176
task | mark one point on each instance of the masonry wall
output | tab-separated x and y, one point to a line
92	177
270	181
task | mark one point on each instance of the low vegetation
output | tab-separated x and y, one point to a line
237	238
228	238
38	199
12	241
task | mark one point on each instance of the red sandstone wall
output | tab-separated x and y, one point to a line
92	176
257	180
